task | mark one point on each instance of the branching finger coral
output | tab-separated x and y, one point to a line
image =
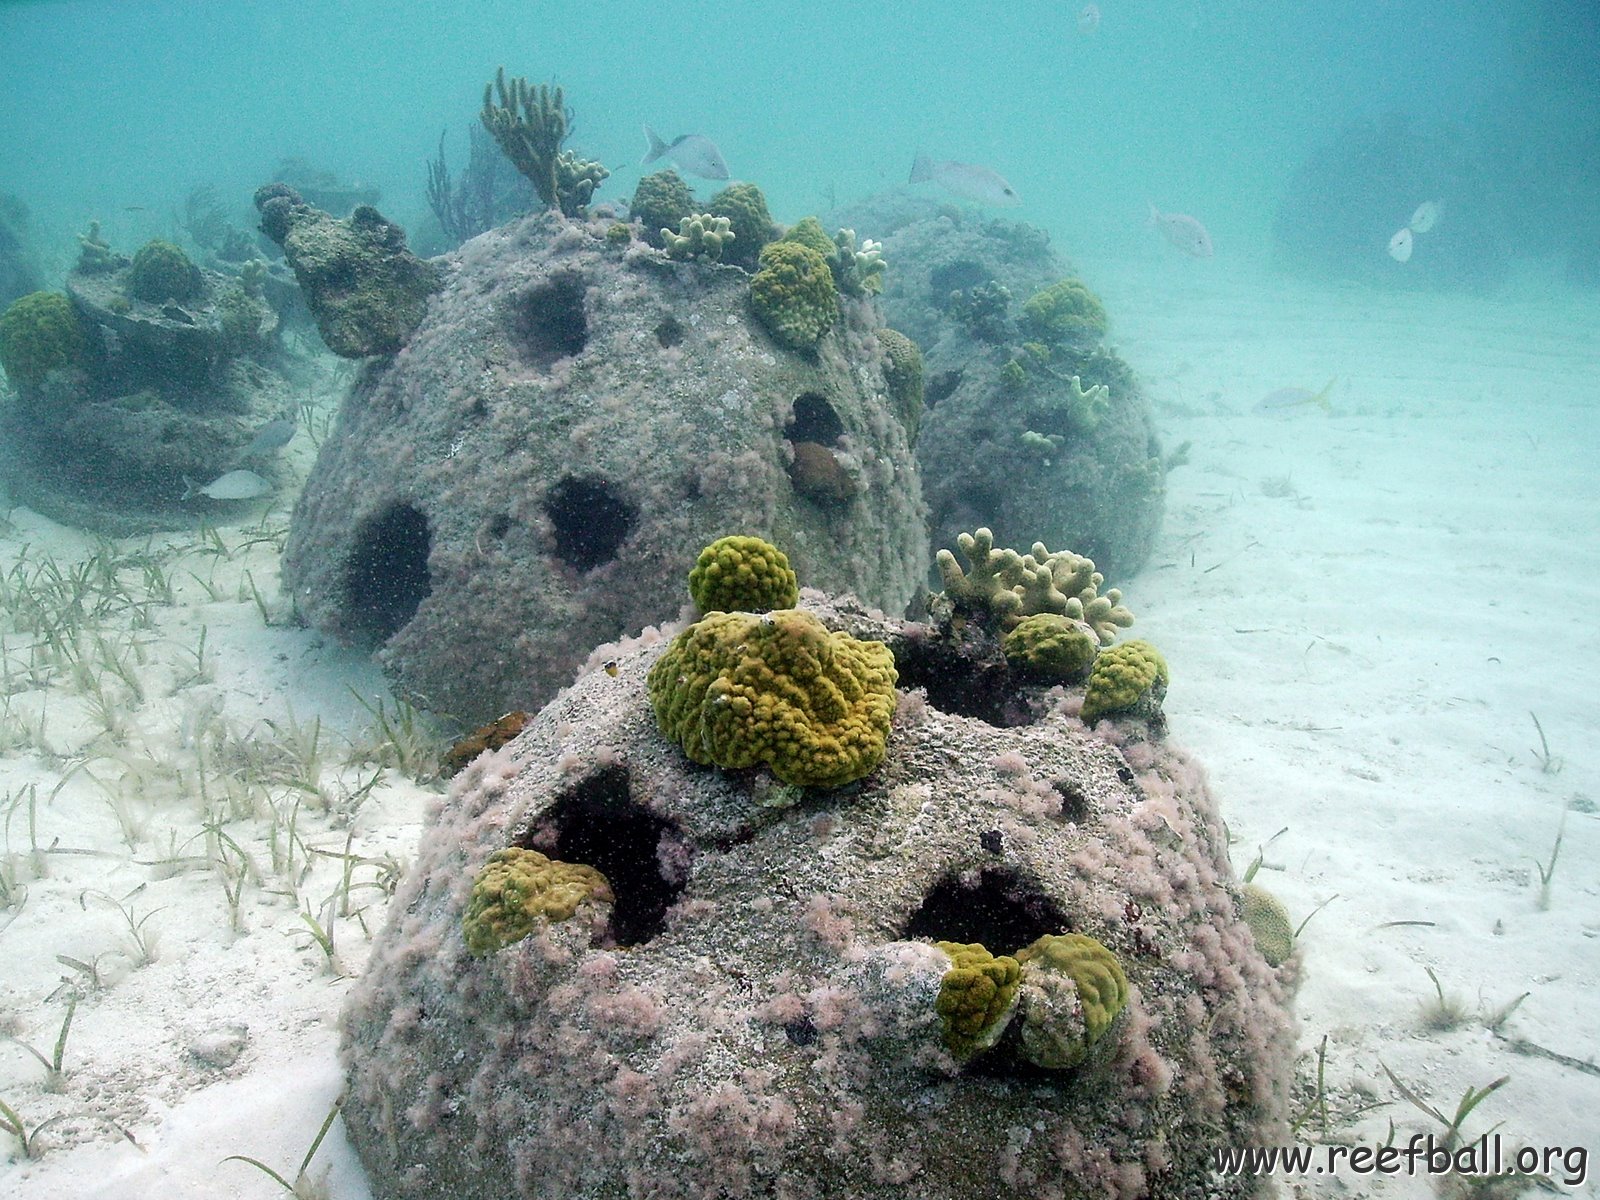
1004	586
702	237
531	123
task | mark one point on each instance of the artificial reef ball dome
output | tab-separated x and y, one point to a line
1007	961
571	422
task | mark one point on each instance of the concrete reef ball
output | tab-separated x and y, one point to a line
1004	961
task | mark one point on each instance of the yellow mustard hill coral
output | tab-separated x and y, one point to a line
1269	923
1052	647
742	574
39	333
1122	677
1060	1025
793	294
776	690
976	996
517	889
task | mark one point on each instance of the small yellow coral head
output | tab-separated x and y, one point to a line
1063	1022
1269	923
1123	678
1052	647
976	996
742	574
519	888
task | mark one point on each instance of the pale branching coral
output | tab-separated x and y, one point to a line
1006	586
703	236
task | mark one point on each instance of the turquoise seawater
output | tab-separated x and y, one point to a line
113	110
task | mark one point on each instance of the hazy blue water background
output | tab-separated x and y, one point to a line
1201	106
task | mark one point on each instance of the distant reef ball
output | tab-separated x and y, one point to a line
1352	195
573	419
1033	425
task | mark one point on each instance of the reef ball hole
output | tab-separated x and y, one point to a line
598	823
499	526
670	333
1074	804
386	575
960	276
589	521
962	685
999	908
548	320
940	386
814	420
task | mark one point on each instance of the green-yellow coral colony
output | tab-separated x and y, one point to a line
1003	586
1052	647
1269	923
778	690
162	272
39	333
793	294
976	996
1063	990
1059	1028
518	889
1065	313
530	123
1124	678
742	574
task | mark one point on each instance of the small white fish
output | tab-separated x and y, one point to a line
235	485
695	153
1183	231
274	435
1400	245
1425	218
1088	19
978	184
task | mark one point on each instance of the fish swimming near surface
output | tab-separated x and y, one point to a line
694	152
978	184
235	485
274	435
1425	218
1088	19
1184	232
1400	245
1293	397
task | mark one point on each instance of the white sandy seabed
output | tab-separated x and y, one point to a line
1363	611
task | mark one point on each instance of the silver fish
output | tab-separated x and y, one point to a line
978	184
1296	397
694	152
235	485
1183	231
274	435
